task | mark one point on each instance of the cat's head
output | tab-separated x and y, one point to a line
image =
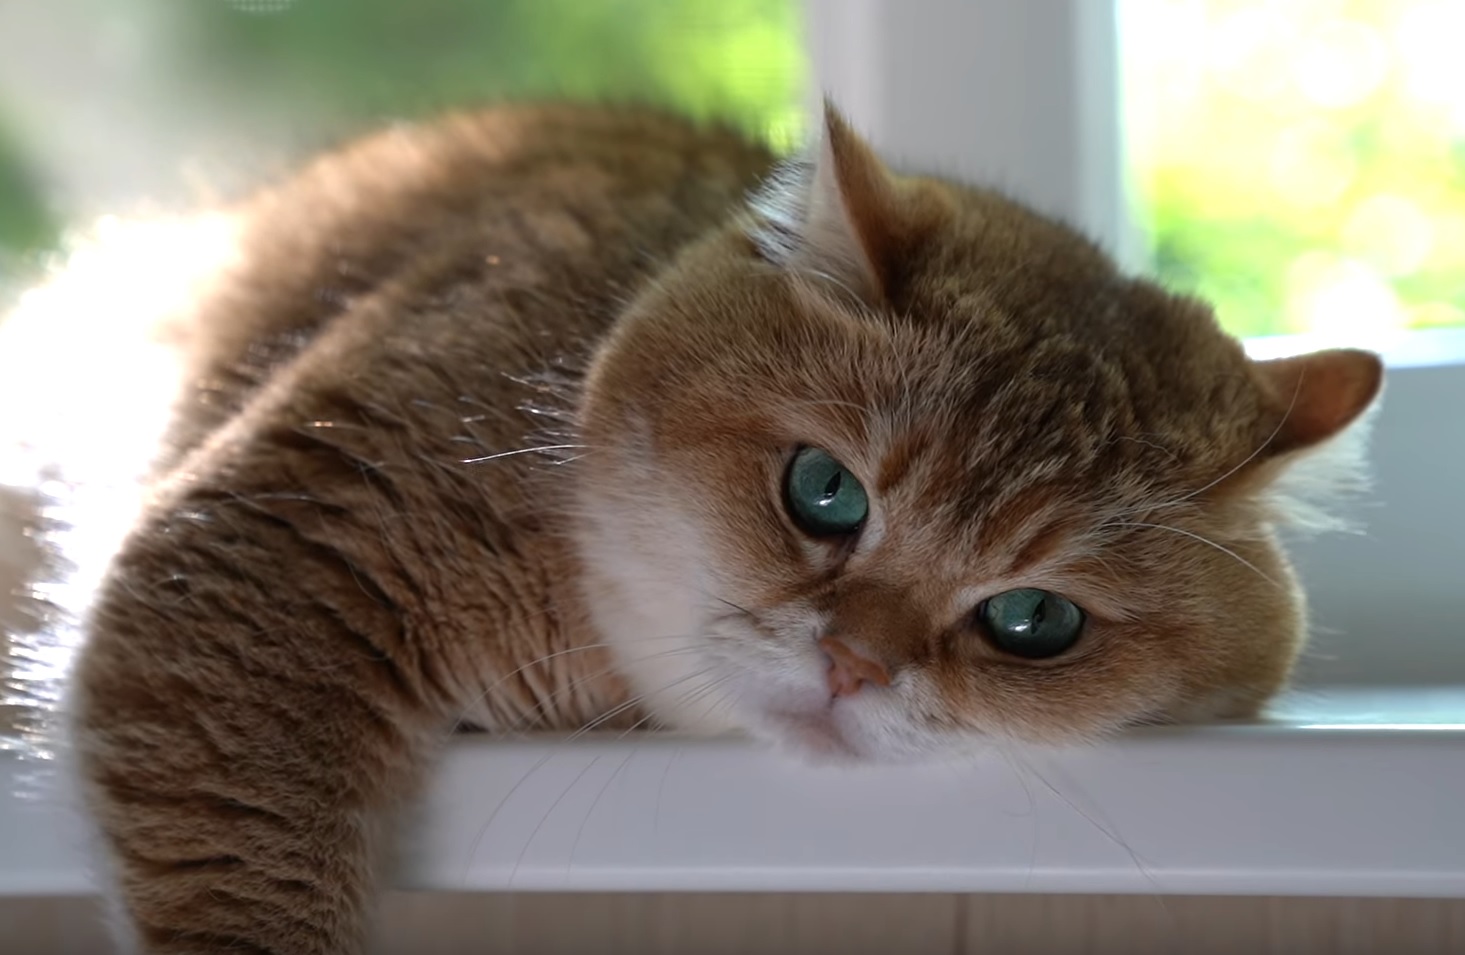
894	463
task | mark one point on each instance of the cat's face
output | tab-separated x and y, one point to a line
912	467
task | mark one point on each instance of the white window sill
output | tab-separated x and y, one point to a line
1346	792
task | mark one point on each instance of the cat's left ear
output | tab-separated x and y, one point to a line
835	217
1316	396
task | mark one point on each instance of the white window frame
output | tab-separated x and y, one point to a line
1347	792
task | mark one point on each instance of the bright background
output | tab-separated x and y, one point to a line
1301	164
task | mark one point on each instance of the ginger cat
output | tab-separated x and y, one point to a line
866	464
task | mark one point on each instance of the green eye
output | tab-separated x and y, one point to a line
822	496
1033	624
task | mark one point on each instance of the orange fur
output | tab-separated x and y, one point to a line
345	557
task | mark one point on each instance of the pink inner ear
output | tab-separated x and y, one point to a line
1320	393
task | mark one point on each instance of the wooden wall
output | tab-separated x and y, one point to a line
531	924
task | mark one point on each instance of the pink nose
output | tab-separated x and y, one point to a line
849	670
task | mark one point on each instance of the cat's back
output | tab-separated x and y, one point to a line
364	379
533	220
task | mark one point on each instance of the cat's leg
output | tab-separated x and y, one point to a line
248	712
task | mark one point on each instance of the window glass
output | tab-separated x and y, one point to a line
1302	164
107	102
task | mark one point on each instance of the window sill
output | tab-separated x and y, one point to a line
1345	792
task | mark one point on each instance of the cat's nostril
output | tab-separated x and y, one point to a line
849	670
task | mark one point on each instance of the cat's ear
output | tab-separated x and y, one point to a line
833	216
1317	395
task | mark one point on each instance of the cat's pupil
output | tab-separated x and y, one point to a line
1038	614
831	489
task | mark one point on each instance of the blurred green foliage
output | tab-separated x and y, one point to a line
26	223
357	60
324	69
1302	164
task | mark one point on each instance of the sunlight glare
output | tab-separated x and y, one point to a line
88	372
1341	63
1391	233
1342	299
1428	39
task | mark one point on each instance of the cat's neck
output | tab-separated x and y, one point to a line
549	668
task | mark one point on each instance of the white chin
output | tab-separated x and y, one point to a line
845	734
839	735
814	736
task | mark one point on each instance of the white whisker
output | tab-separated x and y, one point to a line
1110	833
1255	453
1204	540
600	720
533	450
484	694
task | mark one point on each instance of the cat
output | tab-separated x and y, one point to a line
551	417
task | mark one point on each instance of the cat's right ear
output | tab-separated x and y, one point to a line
833	217
1318	395
1314	424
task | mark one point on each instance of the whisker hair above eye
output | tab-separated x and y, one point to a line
830	403
1188	498
1200	538
1266	442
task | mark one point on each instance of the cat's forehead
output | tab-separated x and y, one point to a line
968	484
975	405
1009	457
